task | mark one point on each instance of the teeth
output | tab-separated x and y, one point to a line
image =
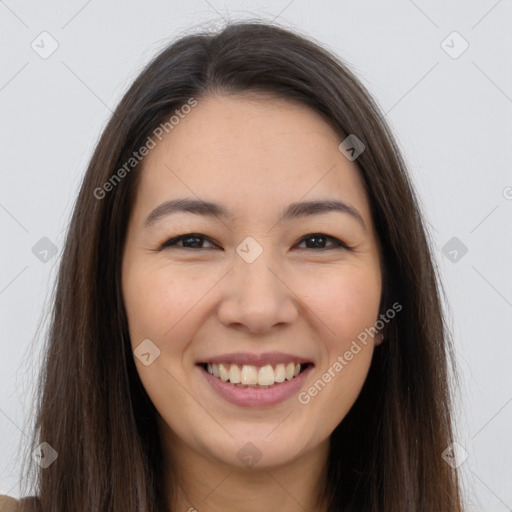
234	374
266	375
224	374
248	375
279	373
253	376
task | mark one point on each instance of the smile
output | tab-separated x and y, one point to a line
253	376
249	392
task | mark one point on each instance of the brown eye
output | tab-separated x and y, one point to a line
315	241
319	241
189	241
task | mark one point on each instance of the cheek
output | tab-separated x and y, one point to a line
347	302
156	301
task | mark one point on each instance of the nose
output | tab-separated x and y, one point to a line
256	297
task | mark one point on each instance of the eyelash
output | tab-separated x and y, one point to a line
172	242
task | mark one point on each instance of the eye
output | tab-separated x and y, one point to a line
318	241
189	241
196	241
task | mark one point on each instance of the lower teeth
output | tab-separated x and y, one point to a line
238	385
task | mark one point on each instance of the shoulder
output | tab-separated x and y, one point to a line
8	504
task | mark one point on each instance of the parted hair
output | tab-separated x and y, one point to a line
91	407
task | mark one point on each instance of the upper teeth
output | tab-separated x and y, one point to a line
251	375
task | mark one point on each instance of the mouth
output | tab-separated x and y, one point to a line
255	376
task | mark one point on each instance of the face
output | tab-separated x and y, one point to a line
249	283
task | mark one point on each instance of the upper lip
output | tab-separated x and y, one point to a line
248	358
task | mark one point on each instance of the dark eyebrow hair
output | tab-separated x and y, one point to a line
292	211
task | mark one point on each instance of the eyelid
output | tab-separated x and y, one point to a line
338	243
171	242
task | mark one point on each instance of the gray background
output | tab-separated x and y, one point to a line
450	111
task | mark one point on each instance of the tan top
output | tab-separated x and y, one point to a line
8	504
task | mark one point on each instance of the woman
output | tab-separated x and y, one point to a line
247	313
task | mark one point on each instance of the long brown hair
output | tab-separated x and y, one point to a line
386	454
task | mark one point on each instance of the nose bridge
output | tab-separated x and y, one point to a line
257	297
257	278
252	266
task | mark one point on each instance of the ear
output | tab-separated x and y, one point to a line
381	333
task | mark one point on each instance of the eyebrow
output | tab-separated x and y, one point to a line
292	211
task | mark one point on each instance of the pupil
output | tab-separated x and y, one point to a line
316	238
196	238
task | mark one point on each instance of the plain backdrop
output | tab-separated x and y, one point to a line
446	95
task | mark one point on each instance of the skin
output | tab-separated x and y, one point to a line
254	155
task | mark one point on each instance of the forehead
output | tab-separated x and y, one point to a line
251	152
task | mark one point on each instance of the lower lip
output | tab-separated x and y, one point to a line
254	397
